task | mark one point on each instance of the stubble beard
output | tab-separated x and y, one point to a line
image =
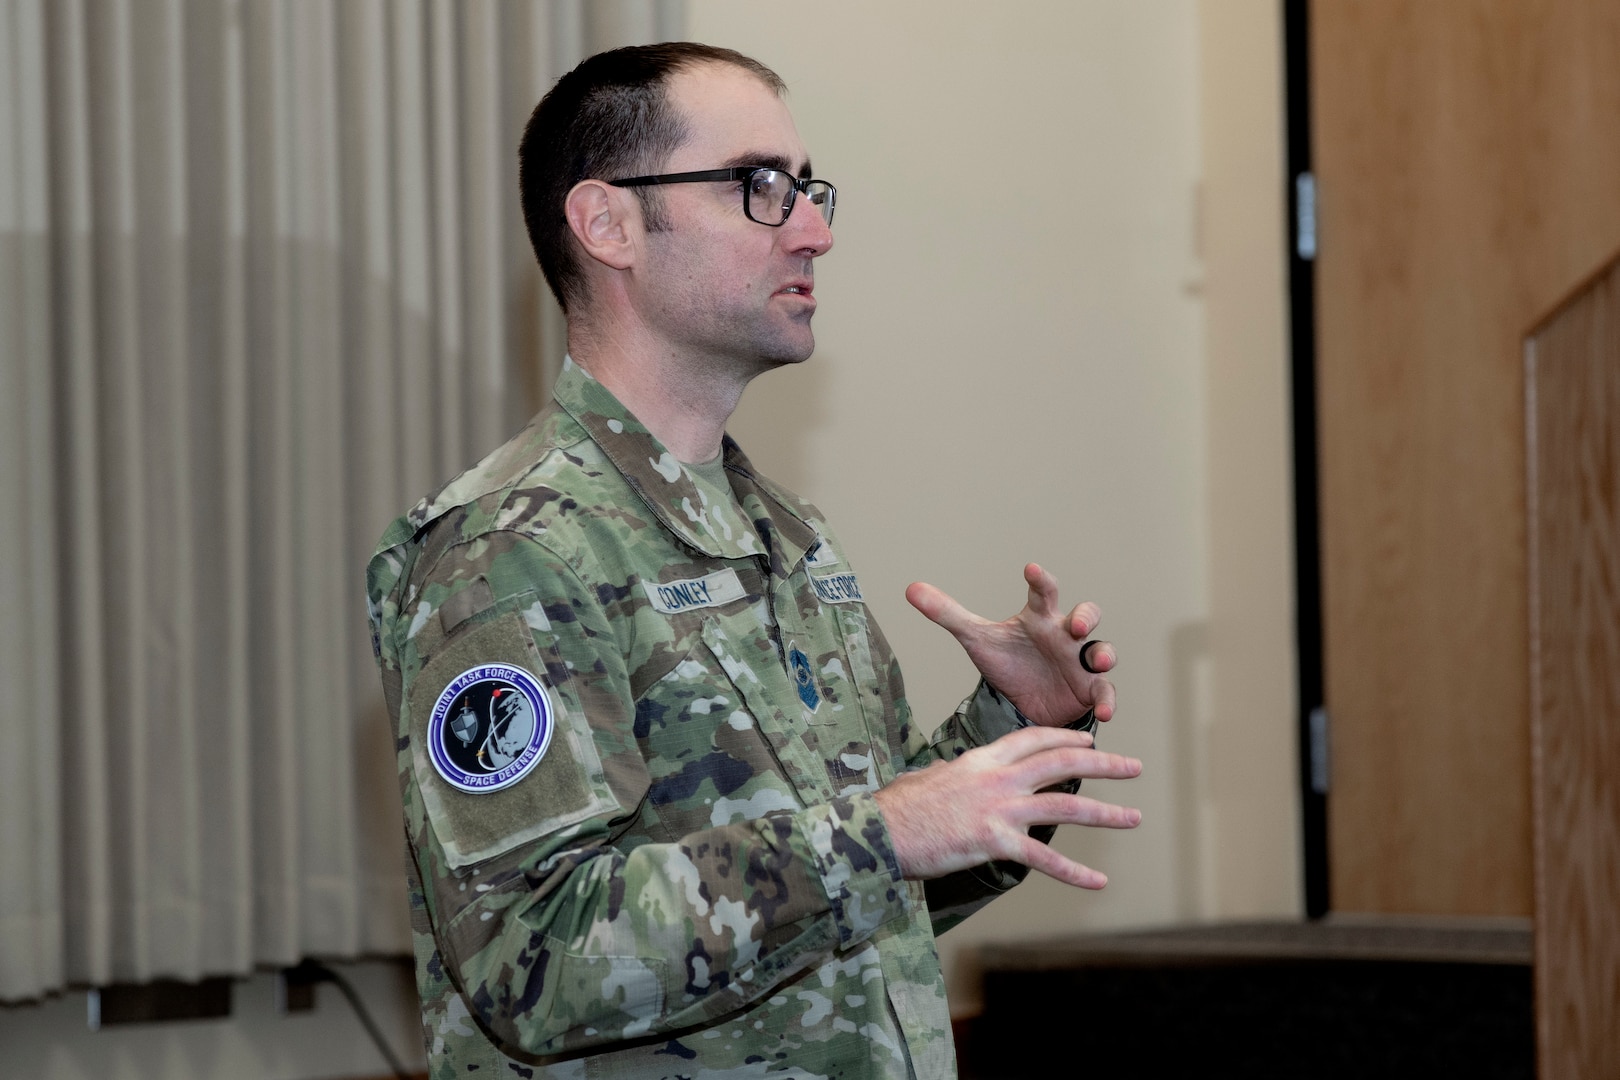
741	340
743	345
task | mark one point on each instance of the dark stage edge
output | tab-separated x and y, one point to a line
1338	997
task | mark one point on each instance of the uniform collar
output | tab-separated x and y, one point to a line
687	506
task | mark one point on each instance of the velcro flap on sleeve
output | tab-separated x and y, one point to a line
500	756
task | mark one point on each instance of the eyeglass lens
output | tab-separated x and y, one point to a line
770	196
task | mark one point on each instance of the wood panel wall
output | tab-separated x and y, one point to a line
1572	382
1468	164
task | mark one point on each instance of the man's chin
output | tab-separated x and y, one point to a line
785	353
768	349
782	360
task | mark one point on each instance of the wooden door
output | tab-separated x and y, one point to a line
1467	156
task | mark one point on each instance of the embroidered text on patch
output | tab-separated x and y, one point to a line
837	588
489	727
713	590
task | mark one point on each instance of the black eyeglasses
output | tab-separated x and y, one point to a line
768	194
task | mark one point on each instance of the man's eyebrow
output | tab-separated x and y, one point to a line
768	161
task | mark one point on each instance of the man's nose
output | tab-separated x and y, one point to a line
808	231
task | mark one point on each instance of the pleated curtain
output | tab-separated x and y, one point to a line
263	283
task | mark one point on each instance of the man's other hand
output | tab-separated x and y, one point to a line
1034	657
980	807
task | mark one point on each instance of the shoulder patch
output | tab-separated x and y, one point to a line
489	727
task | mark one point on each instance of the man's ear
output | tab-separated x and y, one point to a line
605	220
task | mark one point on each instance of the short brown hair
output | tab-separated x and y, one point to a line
608	118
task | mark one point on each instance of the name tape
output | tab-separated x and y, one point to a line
674	597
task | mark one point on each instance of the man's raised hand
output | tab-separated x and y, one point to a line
1033	657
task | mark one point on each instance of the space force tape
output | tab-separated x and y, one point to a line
837	588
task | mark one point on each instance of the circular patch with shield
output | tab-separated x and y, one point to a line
490	726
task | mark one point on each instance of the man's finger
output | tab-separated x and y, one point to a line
1039	856
1021	744
1084	619
1043	588
1097	656
940	607
1060	808
1060	764
1104	703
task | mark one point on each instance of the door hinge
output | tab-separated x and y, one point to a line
1319	750
1305	216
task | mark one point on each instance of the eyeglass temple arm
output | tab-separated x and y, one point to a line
684	177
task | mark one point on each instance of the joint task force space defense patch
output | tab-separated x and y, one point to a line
489	727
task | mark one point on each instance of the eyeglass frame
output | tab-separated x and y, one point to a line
743	172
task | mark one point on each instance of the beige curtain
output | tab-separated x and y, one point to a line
263	283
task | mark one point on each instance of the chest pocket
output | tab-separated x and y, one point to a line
719	750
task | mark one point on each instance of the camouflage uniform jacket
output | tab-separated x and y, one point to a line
668	862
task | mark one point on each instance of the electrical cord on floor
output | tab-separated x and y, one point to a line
311	971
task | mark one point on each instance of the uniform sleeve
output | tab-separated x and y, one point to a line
562	915
983	717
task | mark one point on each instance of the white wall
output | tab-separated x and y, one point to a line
1023	354
1248	844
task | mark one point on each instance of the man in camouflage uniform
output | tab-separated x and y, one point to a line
663	792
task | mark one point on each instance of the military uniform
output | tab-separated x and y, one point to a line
639	723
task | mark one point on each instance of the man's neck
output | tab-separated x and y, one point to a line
684	401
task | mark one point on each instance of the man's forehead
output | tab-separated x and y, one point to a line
733	118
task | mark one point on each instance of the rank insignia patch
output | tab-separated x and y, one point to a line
803	679
490	726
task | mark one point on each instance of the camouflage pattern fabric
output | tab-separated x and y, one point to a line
693	879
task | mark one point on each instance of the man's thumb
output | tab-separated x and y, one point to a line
938	606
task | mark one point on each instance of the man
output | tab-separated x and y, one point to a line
665	801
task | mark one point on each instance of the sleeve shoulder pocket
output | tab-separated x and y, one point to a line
499	755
